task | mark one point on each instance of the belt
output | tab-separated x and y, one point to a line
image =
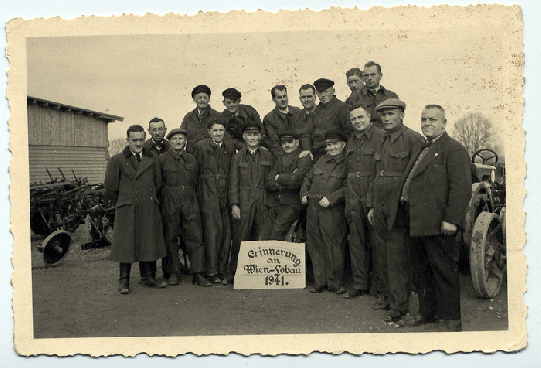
360	174
390	173
217	176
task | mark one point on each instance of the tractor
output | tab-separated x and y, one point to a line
484	231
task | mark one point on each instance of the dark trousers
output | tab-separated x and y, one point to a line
326	239
277	221
359	247
188	227
217	238
393	257
247	228
436	276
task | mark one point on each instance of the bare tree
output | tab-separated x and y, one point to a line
116	146
474	131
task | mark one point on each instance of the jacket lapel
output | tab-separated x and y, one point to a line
143	165
433	152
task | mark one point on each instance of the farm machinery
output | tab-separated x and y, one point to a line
59	207
484	232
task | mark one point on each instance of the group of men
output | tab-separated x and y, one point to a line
350	174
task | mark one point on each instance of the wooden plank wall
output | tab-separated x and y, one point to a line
48	126
88	162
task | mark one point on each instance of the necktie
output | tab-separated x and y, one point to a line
138	156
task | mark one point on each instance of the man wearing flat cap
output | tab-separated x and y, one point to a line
284	182
214	156
360	151
282	118
180	209
323	189
247	194
195	122
372	93
235	116
391	158
331	114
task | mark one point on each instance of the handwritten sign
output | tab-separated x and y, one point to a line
271	264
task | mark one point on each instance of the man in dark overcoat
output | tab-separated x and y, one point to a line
323	189
157	143
180	209
213	157
196	121
360	151
133	180
392	156
247	194
284	182
437	191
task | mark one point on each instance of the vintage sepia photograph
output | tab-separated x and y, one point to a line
343	180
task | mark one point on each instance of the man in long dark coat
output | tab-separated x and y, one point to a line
437	191
213	157
133	180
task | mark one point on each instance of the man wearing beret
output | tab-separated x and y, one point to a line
156	143
323	189
247	195
284	182
180	209
392	156
235	116
195	122
132	181
214	156
355	81
331	114
282	118
436	193
360	151
373	93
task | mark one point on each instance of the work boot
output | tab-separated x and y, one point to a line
393	315
412	320
124	279
173	279
199	279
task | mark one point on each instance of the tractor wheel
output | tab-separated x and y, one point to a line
487	255
55	247
479	202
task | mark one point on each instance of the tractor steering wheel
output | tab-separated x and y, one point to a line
485	155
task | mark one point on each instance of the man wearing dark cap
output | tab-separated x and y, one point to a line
180	209
156	143
331	114
360	151
132	181
214	156
355	82
247	195
392	155
235	116
195	122
373	93
284	182
282	118
323	190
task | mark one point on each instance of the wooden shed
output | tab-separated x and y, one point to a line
66	137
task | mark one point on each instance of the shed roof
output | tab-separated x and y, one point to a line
56	105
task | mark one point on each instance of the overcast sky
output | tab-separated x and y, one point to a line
142	76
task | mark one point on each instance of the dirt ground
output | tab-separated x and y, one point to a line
79	298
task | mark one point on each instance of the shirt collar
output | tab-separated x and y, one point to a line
176	155
396	133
